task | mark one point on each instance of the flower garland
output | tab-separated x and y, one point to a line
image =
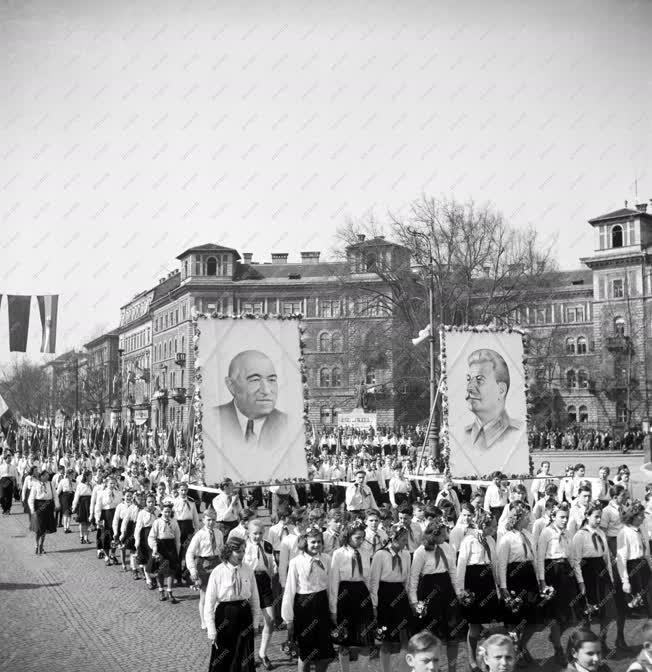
444	434
197	399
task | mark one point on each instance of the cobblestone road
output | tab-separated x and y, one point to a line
66	612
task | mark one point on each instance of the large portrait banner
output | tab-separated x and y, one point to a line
250	399
484	402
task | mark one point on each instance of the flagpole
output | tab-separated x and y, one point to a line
432	415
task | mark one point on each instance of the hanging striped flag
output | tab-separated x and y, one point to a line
18	308
48	305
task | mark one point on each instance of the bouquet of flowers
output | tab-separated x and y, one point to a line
380	635
513	602
339	634
636	601
467	598
591	610
420	608
546	594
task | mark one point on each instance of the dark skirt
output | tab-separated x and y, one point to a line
312	630
167	564
375	490
394	611
26	508
43	521
84	509
486	607
6	492
565	605
356	614
522	581
144	552
105	532
186	528
129	543
599	588
639	577
264	584
233	649
65	501
204	568
441	616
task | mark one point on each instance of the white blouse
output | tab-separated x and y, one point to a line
255	557
373	541
584	545
42	491
472	552
344	567
164	529
306	574
553	544
631	546
431	562
230	583
513	548
200	546
384	568
82	490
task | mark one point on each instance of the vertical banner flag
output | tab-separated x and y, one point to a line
18	308
48	306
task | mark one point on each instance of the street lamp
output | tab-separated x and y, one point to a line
428	272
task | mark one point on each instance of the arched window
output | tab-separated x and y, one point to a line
582	379
336	377
570	346
165	350
337	342
571	379
324	378
185	269
619	326
370	262
183	344
370	377
211	266
621	412
617	236
572	414
324	342
581	346
584	414
325	415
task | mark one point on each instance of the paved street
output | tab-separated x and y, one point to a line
66	612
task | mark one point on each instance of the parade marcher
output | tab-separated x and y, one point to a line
227	506
633	556
203	555
116	524
126	535
593	570
29	479
81	505
577	509
414	530
433	583
350	602
539	507
258	556
496	497
461	526
477	575
305	602
232	611
241	530
185	513
165	541
388	584
66	492
554	570
359	497
8	483
290	544
332	534
601	486
375	537
43	503
144	522
399	488
106	503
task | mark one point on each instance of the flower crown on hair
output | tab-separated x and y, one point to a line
396	530
636	507
357	524
561	506
313	531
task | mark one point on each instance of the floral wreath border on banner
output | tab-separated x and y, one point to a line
197	399
443	432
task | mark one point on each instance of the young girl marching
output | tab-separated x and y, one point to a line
633	558
203	556
81	505
477	576
232	611
305	606
553	555
144	522
592	564
66	492
127	530
118	517
165	541
432	588
388	583
517	577
350	602
258	556
43	502
28	483
105	505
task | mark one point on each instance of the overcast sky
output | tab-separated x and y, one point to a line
130	130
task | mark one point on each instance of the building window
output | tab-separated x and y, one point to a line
619	327
183	344
582	379
584	414
617	288
617	236
166	320
370	376
324	342
183	312
173	378
570	346
581	346
165	350
211	266
185	268
176	343
336	378
325	415
329	308
324	378
621	412
572	414
182	376
336	343
292	307
253	307
571	379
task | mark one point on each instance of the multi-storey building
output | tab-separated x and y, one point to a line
100	376
590	328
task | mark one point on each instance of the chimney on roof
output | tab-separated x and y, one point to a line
279	257
641	207
161	281
361	237
247	256
310	257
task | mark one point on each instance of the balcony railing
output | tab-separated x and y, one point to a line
180	358
179	394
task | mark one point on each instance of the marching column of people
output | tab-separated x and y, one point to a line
370	572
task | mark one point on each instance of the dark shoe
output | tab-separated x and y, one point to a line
173	599
67	531
162	596
151	586
125	568
42	550
36	551
135	575
81	540
266	663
